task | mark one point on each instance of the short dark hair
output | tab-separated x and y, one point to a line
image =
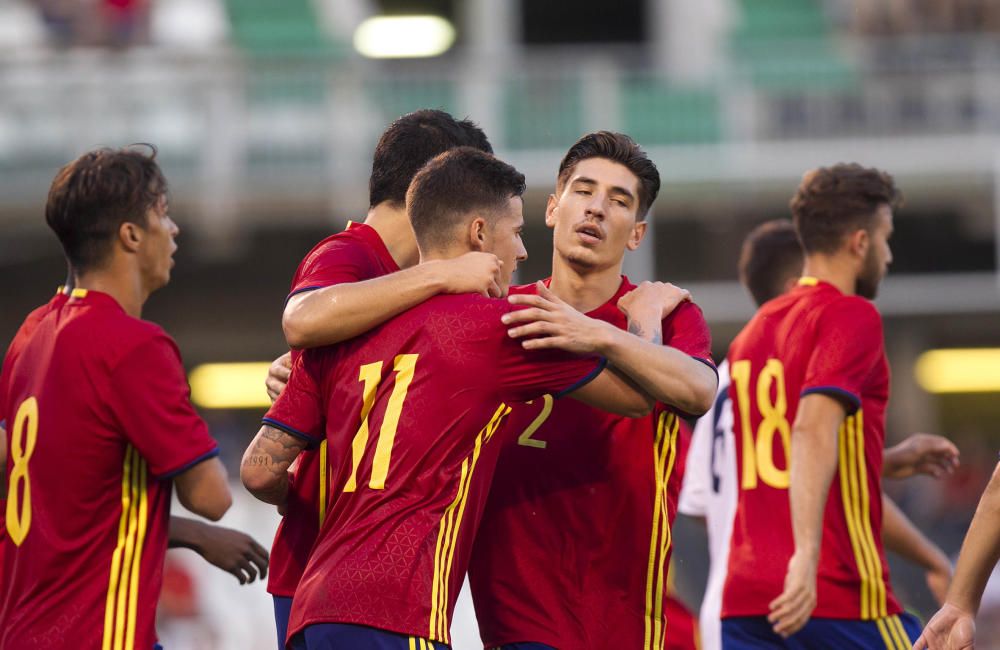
832	202
621	149
409	143
770	257
91	197
455	185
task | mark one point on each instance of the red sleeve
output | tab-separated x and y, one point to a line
150	398
335	261
298	411
847	348
527	374
685	329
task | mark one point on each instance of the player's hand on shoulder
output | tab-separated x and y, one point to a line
658	297
278	374
791	610
949	629
474	272
921	453
234	552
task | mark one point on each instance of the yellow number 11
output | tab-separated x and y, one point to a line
371	376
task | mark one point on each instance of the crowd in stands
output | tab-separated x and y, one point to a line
110	23
901	17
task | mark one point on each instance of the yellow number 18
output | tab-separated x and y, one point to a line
758	450
22	444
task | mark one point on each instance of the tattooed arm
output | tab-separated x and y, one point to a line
264	470
666	373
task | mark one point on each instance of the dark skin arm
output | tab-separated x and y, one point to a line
230	550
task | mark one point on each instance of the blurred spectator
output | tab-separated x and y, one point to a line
125	22
61	19
109	23
902	17
179	619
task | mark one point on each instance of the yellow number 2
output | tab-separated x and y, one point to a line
525	439
758	450
19	509
371	375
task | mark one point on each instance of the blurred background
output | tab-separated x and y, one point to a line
266	113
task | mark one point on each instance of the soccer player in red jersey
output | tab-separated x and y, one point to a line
770	264
810	382
350	283
230	550
99	424
410	411
575	544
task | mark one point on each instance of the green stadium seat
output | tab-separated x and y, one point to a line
788	45
540	114
656	113
395	97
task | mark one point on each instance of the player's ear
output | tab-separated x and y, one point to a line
477	234
637	235
859	241
550	209
130	236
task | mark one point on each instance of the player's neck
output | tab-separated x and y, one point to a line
392	225
832	269
125	287
585	290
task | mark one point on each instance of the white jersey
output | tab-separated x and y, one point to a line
709	490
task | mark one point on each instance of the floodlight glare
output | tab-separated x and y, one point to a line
959	370
229	385
403	37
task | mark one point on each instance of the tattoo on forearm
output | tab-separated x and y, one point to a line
655	335
274	450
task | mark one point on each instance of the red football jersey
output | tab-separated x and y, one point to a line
812	340
98	420
409	412
22	336
575	542
355	254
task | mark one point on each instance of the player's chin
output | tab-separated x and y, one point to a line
583	257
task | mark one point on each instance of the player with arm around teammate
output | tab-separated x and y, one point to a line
352	282
574	547
427	392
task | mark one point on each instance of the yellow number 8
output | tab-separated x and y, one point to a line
19	510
